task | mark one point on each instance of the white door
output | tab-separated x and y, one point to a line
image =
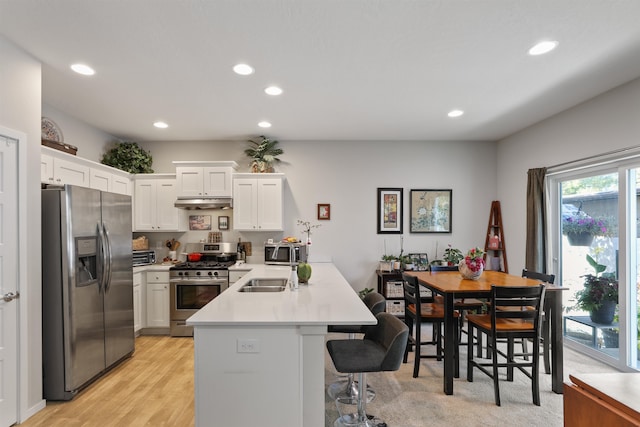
8	280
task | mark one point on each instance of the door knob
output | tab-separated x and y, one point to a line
11	296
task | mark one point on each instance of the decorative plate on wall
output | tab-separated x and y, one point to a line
51	131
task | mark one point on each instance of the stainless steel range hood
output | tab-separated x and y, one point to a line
217	203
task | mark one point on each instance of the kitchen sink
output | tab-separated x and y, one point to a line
264	285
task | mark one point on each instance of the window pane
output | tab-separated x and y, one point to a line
590	247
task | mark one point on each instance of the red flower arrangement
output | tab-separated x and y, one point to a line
474	259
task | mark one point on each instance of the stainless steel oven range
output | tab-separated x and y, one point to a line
194	284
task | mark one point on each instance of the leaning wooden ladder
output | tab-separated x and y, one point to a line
495	230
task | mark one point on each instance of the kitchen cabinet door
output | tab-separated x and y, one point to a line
100	180
139	303
258	203
212	181
218	181
46	169
121	185
67	172
154	208
157	300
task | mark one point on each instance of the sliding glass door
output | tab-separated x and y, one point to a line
594	231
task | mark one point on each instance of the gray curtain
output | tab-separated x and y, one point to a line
536	245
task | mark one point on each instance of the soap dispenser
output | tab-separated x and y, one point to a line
293	280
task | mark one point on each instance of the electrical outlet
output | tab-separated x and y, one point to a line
248	346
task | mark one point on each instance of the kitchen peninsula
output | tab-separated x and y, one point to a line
259	357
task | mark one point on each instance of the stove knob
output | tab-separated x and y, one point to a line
179	273
198	273
215	273
210	273
186	273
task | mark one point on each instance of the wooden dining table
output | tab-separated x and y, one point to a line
452	286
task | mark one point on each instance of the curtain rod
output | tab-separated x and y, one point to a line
601	157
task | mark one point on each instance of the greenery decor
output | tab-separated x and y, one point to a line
598	288
263	153
129	157
453	256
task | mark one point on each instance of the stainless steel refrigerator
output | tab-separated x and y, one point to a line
87	286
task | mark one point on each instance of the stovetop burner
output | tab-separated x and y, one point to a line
203	265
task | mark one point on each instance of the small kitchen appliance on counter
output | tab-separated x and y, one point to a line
281	253
147	257
194	284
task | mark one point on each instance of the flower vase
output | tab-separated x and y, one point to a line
467	273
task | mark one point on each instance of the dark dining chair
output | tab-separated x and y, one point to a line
463	305
418	310
546	325
521	320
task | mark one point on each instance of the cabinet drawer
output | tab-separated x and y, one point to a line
157	277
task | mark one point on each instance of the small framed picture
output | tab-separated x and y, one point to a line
223	223
390	211
324	211
199	222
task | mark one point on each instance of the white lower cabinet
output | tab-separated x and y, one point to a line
157	299
139	303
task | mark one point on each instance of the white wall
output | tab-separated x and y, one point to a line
20	95
346	175
602	124
91	143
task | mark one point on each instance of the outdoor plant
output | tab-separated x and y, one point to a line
129	157
598	288
577	224
453	256
263	153
474	259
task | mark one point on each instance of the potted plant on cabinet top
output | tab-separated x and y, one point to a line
600	294
129	157
263	153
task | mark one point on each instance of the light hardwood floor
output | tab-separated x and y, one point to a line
152	388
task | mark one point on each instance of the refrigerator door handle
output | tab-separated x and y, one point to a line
103	247
109	258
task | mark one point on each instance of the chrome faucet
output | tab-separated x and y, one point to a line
292	252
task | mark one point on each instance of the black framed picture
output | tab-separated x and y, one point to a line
223	223
390	211
430	211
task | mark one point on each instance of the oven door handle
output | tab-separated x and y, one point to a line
205	282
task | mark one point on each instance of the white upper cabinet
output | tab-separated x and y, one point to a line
205	179
61	168
154	198
258	202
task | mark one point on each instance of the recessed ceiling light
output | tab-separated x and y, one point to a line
455	113
273	90
243	69
83	69
543	47
264	124
161	125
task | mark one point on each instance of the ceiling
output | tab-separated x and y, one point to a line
350	69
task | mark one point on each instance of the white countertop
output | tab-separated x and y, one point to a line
151	267
328	299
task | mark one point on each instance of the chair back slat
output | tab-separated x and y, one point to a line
544	278
517	303
411	287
